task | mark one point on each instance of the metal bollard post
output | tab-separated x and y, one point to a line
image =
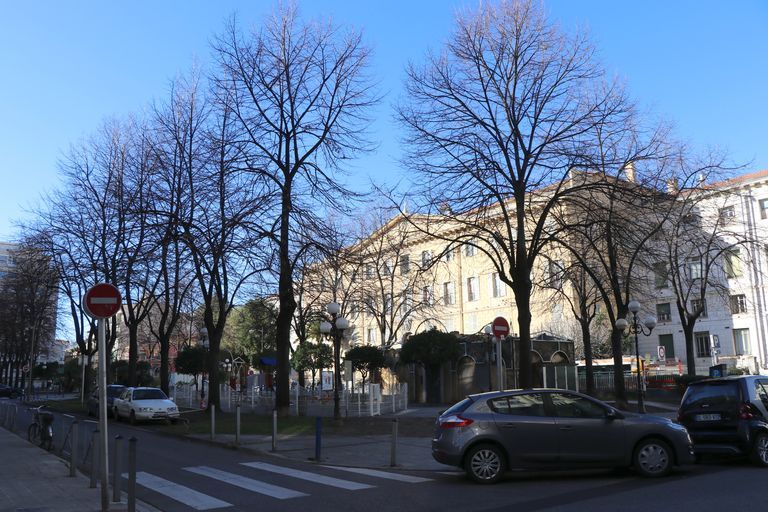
318	437
94	458
117	470
132	474
393	448
274	430
237	425
73	454
213	422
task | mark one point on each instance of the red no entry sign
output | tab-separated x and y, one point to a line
102	301
500	327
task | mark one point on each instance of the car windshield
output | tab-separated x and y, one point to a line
713	393
148	394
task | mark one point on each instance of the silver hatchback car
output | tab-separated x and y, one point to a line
489	433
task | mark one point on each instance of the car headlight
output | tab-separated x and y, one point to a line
172	409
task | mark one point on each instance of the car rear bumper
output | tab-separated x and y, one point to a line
445	453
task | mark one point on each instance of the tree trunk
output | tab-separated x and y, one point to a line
287	308
164	364
618	370
133	354
690	351
522	291
590	371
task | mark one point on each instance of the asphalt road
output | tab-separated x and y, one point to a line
181	475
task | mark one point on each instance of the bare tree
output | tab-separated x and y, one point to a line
221	226
298	96
177	146
495	123
28	308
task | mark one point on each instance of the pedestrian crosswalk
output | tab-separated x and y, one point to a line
181	493
289	478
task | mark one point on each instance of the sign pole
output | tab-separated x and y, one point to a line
104	438
499	370
500	330
100	302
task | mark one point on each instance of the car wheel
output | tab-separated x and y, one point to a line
760	450
132	418
653	458
485	464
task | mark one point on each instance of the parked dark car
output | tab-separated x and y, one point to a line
728	416
113	391
9	392
489	433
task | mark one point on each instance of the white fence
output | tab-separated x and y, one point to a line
372	401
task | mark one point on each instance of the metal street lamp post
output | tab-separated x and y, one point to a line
633	326
203	333
335	329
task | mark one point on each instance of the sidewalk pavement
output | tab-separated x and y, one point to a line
364	451
32	479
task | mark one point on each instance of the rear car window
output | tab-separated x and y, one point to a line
458	406
114	391
712	393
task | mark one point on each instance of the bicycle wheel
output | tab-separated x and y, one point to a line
33	433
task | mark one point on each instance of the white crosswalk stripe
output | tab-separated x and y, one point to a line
249	484
180	493
382	474
306	475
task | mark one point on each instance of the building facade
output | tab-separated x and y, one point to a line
733	327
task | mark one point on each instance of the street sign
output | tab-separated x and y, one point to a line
102	301
661	352
25	368
500	327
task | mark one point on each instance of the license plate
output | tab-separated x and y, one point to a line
707	417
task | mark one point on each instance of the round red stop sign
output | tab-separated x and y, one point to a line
102	301
500	327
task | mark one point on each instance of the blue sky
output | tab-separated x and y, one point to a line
66	66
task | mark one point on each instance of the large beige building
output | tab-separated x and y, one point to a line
398	281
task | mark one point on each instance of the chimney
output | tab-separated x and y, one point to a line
629	170
672	185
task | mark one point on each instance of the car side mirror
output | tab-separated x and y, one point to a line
612	414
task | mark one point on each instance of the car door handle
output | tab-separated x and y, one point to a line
509	425
566	427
